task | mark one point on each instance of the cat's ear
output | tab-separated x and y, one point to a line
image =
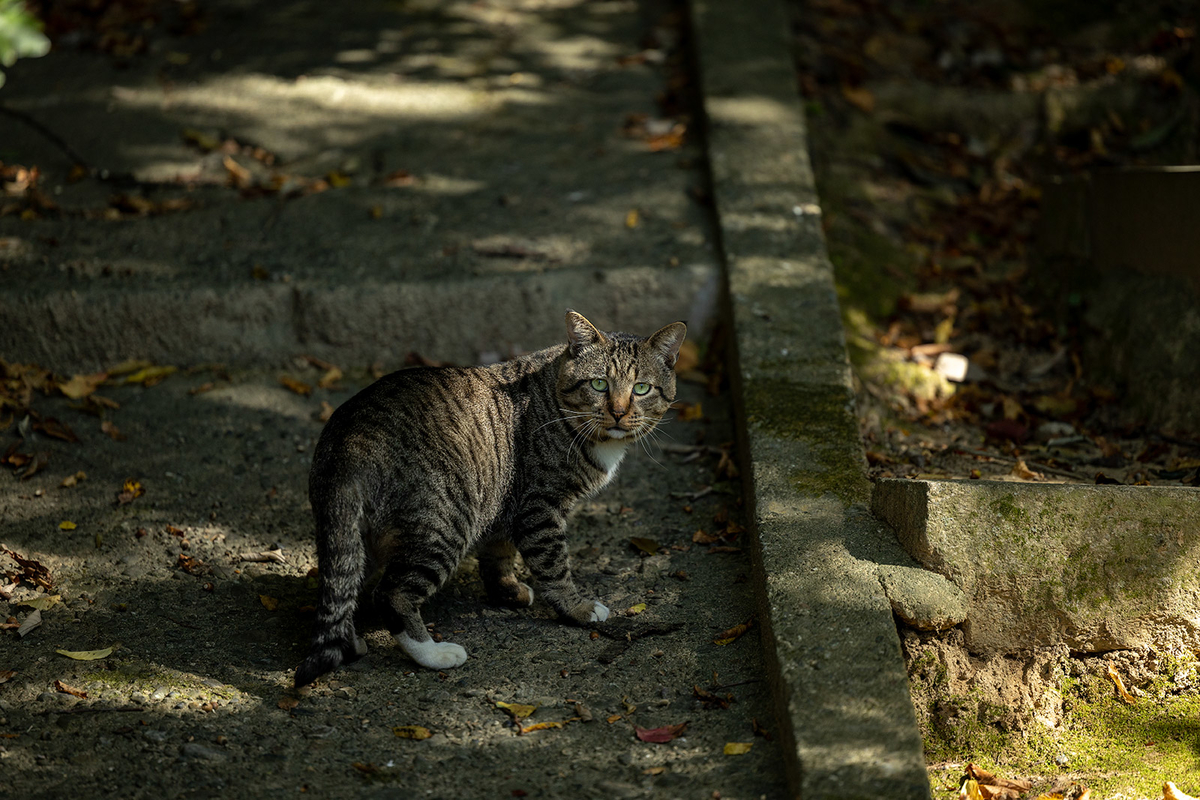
580	332
668	341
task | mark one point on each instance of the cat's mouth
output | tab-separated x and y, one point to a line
617	433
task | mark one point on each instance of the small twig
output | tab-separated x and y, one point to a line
692	495
718	687
177	622
671	447
1010	460
50	135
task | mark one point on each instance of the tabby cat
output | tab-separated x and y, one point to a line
429	464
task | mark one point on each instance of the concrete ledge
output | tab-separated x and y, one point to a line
1095	567
350	323
847	720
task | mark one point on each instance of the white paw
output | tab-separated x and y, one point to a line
599	612
431	654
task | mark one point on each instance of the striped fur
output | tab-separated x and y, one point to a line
429	464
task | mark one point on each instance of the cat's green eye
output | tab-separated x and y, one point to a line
641	388
599	384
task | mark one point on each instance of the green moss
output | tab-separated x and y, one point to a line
821	418
1114	748
1007	509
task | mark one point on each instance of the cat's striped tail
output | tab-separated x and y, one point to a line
341	558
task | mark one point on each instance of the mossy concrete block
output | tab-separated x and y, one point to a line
922	599
1094	567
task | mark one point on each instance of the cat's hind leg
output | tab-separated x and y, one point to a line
405	589
498	569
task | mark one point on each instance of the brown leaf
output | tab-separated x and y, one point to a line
32	571
268	602
1116	679
709	699
416	732
541	726
700	537
759	730
647	546
366	768
732	635
288	703
62	687
326	411
80	386
112	431
130	490
860	97
330	378
1022	471
193	565
983	777
660	735
72	480
56	428
293	385
6	675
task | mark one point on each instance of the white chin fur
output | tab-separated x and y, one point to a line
431	654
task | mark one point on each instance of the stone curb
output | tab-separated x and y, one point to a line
848	725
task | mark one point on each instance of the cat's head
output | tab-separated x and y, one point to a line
616	385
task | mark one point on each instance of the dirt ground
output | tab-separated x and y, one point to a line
194	700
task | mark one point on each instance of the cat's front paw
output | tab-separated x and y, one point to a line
431	654
587	612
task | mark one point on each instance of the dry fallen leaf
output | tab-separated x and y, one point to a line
86	655
411	732
660	735
632	219
67	525
42	602
80	386
130	490
737	748
1171	792
1116	679
293	385
6	675
269	603
330	378
614	717
31	621
1023	472
71	480
634	610
860	97
516	710
700	537
275	556
647	546
541	726
33	571
326	411
108	428
732	635
62	687
149	376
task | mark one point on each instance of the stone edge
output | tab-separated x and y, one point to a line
768	216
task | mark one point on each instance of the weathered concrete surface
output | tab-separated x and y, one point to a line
508	117
850	730
1095	567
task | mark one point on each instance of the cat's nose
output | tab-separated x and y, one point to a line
617	413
